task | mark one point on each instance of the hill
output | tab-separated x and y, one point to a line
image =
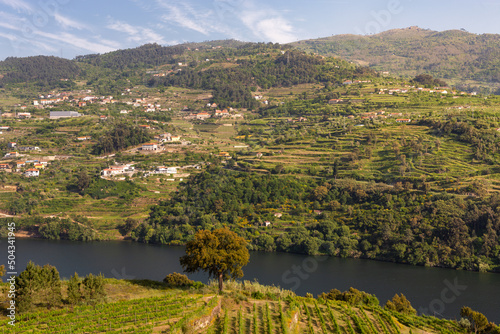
47	71
464	59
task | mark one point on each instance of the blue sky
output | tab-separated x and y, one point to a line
68	28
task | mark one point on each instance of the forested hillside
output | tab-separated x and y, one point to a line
349	219
46	71
466	60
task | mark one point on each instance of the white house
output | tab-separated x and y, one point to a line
150	147
32	173
166	170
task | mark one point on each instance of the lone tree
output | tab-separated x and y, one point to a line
221	253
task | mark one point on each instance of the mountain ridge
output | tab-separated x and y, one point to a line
465	59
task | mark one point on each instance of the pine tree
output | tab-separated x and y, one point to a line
74	291
27	283
93	287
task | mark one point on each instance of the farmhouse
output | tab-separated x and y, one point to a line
149	147
203	115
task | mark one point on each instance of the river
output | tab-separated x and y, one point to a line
435	291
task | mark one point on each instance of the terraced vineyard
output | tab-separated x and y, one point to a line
145	315
202	311
311	316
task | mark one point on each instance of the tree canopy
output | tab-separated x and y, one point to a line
221	253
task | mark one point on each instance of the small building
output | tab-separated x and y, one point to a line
166	170
203	115
11	155
4	166
278	215
32	173
403	120
12	145
39	166
64	114
150	147
23	115
175	138
266	223
224	155
113	170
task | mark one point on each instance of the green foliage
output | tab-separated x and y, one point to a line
352	297
38	285
119	137
177	280
74	290
221	253
428	81
93	289
66	229
2	272
400	304
82	181
144	56
478	321
100	188
47	71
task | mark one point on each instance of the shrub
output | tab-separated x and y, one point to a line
176	279
400	304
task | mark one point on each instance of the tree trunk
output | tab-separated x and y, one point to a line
220	282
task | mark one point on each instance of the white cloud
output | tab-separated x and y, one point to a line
136	34
18	5
66	22
10	21
8	36
267	24
275	30
77	42
183	15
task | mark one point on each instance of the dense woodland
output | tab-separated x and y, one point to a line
232	86
371	221
120	137
46	71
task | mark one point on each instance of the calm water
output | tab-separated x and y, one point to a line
431	290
